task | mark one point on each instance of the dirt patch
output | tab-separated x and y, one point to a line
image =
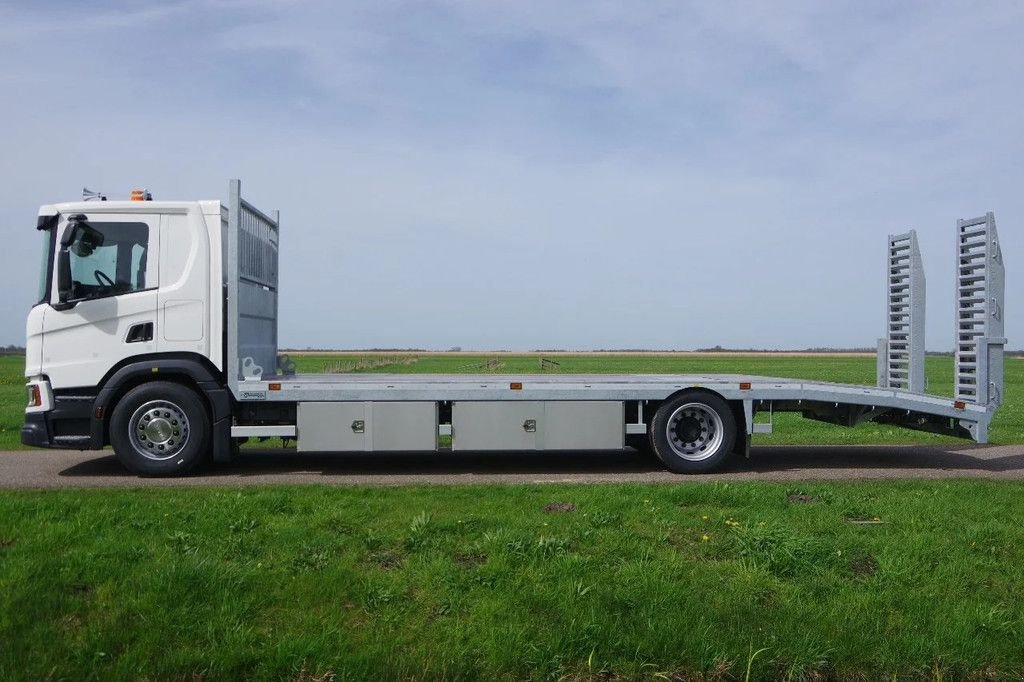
864	567
439	611
6	543
70	624
82	589
471	559
864	520
305	675
559	507
386	559
719	671
767	597
800	498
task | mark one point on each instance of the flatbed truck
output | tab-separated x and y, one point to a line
155	331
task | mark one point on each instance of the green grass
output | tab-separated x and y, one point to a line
12	400
680	581
483	583
790	429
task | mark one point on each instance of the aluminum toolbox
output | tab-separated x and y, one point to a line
537	425
366	426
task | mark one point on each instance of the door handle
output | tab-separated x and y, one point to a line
140	333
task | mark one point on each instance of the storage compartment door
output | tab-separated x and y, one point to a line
582	425
404	426
505	425
331	427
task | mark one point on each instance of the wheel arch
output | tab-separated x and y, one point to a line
188	369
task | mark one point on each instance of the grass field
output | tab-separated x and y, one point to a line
919	580
1008	426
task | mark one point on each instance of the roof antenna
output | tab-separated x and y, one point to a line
88	194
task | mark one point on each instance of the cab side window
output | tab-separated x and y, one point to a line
111	265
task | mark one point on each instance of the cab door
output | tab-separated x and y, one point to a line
112	312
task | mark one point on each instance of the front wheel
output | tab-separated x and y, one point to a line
160	429
693	433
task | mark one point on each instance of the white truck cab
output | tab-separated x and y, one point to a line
155	331
138	272
121	283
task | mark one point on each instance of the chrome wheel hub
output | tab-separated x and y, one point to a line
695	431
158	430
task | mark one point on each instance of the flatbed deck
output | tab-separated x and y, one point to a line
760	392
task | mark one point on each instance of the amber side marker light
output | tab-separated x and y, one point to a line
516	386
745	386
274	387
959	404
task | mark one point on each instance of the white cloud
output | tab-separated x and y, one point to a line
540	174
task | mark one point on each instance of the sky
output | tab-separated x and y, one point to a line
538	175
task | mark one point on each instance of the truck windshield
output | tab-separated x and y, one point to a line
45	268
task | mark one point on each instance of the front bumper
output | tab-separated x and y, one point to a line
35	433
62	421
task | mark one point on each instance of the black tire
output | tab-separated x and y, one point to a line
160	428
703	432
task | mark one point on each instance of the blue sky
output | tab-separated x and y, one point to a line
536	174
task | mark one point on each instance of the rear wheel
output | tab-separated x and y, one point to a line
160	429
694	432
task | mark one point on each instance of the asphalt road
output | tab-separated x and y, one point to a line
65	469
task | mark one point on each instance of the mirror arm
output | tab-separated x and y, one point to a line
64	283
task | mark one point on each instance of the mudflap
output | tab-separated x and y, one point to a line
744	414
742	446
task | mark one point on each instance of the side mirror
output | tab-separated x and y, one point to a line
71	232
80	237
